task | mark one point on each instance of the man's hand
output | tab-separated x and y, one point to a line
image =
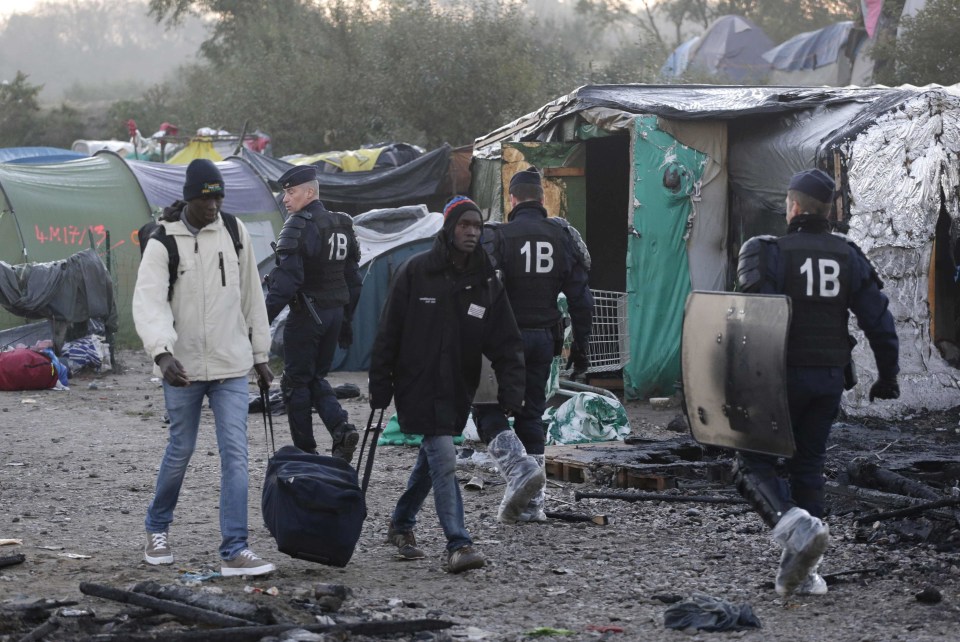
172	370
885	389
579	360
264	375
345	340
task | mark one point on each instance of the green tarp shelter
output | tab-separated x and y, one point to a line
50	212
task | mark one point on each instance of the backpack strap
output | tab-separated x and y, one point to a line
230	222
173	253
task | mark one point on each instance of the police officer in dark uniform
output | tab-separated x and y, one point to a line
539	257
317	275
825	275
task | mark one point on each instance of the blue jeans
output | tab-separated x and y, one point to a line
229	402
436	467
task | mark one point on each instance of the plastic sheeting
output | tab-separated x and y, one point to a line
73	290
667	177
379	231
811	49
416	180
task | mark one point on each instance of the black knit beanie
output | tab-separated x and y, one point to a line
203	179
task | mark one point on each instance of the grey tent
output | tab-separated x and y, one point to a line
821	57
732	47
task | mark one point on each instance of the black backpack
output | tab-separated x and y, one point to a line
154	230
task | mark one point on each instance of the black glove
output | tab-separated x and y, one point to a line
579	359
885	389
345	340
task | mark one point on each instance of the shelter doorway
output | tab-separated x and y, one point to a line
608	210
944	292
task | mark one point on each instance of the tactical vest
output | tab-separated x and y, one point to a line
534	259
323	279
817	280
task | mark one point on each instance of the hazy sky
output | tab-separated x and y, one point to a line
8	7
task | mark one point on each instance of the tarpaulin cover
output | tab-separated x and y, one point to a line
72	290
197	148
811	49
416	180
667	175
379	231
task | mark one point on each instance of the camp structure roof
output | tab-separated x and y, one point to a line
692	172
418	181
37	155
50	212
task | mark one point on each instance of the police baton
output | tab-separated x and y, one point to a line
267	417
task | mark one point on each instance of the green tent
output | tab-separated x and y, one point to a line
50	212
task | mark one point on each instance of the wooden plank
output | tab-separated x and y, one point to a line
551	172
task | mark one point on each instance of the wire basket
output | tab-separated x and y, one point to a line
610	338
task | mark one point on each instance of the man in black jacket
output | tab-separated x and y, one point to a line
825	275
317	275
446	309
540	257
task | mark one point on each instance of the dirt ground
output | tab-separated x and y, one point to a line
77	471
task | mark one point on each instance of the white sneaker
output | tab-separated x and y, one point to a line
246	563
813	584
157	551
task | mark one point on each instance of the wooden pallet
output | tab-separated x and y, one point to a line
571	470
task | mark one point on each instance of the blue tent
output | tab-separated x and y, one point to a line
37	155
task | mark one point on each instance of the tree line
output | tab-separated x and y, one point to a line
340	74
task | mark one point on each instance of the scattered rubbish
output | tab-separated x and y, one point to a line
273	590
474	483
600	520
76	613
16	463
586	417
28	400
706	613
561	571
325	620
11	542
929	595
51	548
76	556
546	631
473	633
11	560
198	576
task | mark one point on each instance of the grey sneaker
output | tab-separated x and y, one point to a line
406	544
464	559
157	551
345	440
246	563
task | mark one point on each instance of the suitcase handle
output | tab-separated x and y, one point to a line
373	447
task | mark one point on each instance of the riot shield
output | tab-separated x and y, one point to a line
733	359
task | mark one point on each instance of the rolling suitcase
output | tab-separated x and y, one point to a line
314	505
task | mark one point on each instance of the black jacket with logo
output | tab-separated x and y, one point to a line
435	325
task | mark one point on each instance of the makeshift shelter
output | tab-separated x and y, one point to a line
679	59
197	148
732	47
387	238
51	212
422	180
666	182
821	57
360	160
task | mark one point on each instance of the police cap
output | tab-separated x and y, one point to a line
297	176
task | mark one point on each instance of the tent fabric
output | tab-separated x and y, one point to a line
380	230
679	59
414	181
811	49
732	47
245	196
37	155
196	148
376	276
